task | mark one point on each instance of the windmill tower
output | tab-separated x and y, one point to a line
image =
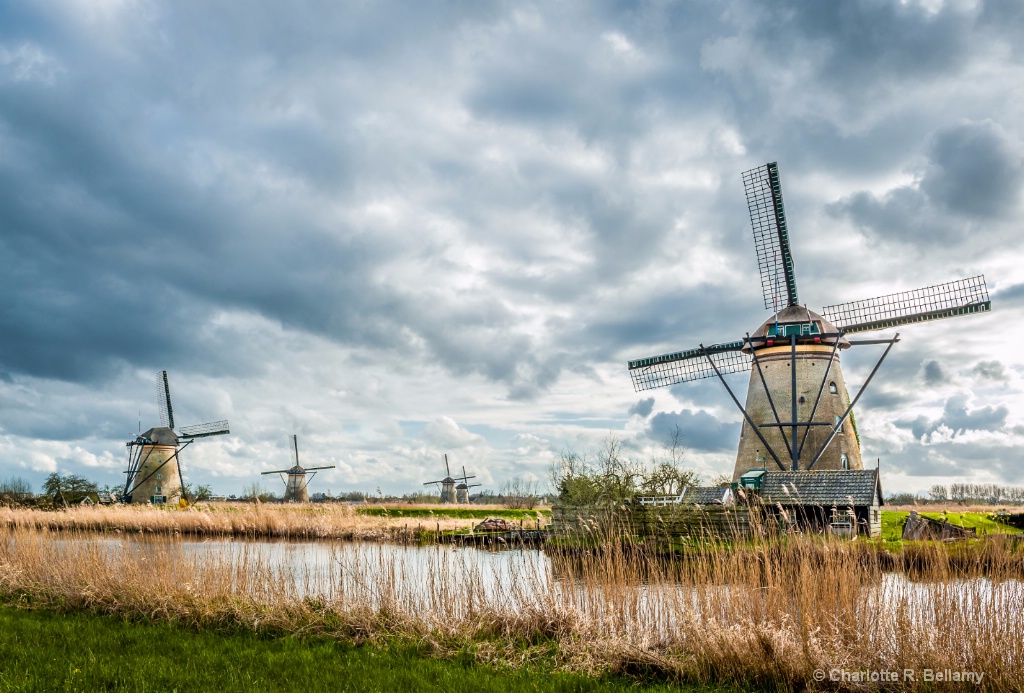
447	484
154	457
297	478
462	489
798	413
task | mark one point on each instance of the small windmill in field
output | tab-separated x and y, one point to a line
154	457
462	489
297	478
447	484
794	355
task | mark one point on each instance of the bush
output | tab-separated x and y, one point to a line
613	478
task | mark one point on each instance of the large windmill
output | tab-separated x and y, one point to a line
447	484
296	481
798	414
154	466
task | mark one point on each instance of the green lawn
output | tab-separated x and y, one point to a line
894	520
459	513
892	524
47	651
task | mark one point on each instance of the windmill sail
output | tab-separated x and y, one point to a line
212	428
771	236
960	297
684	366
163	400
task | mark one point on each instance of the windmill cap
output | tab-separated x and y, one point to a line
798	315
161	435
296	470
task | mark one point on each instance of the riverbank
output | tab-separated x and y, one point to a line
270	521
766	618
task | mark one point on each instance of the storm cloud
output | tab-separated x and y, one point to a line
405	229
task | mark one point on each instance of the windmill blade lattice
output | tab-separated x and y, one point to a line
960	297
771	236
203	430
163	400
684	366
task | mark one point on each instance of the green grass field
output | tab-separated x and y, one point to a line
47	651
459	513
894	520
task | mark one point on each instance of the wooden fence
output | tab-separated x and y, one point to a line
710	521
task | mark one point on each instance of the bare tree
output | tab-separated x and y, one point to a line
667	476
519	494
15	487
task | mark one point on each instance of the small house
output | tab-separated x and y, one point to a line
844	501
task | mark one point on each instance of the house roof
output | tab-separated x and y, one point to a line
826	487
705	495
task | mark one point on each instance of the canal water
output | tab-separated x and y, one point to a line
454	581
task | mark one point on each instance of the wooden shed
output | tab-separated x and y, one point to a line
843	501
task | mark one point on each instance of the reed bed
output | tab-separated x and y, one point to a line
766	615
249	520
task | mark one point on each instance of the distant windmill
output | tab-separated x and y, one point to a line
154	457
298	478
794	355
462	490
447	484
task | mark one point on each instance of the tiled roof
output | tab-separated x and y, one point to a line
826	488
705	495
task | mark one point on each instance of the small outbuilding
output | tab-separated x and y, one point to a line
844	501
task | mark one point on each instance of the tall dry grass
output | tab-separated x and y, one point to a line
765	615
301	521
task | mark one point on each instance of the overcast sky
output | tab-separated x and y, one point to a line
407	229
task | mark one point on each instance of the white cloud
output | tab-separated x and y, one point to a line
404	230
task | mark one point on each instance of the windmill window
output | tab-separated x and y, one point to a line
845	460
832	388
839	426
158	489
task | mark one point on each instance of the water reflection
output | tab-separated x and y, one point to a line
434	577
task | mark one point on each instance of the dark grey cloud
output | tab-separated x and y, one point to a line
974	172
934	374
642	408
990	370
959	419
1011	296
349	205
701	431
884	398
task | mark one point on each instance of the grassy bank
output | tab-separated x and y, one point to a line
270	521
529	517
51	651
983	521
764	617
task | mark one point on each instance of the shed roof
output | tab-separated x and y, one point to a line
706	495
827	487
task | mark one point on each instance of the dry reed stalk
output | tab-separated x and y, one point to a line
234	519
768	613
